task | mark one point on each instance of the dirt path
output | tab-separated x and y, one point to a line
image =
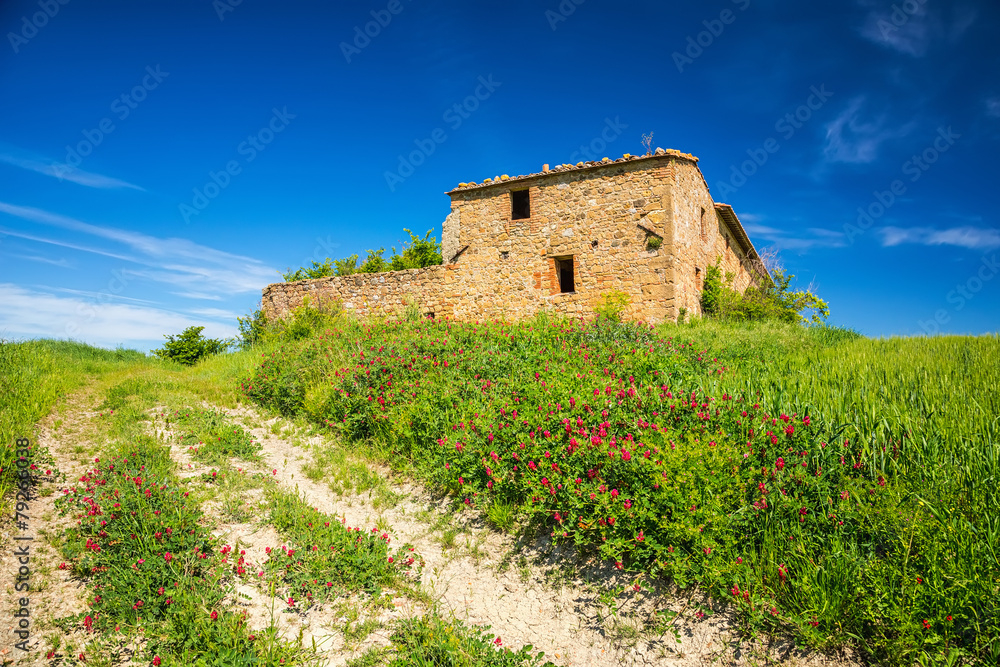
537	599
528	594
67	433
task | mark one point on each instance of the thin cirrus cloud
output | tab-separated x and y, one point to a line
180	263
854	137
914	32
975	238
814	237
64	172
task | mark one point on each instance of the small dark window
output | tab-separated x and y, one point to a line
704	226
504	254
520	205
697	278
564	271
593	244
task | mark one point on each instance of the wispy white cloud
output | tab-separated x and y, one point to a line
100	296
65	244
62	262
215	313
198	295
64	172
993	107
914	32
174	261
760	230
30	314
978	238
854	138
814	237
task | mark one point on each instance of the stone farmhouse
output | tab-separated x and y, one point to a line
559	240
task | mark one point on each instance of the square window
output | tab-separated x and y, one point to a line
564	272
520	205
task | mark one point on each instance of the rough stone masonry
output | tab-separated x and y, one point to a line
558	241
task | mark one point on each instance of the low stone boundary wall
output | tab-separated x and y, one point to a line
363	294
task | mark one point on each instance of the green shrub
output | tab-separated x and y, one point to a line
432	641
773	300
190	346
417	253
253	329
612	305
209	435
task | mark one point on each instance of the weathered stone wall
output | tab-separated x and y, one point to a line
701	237
602	215
364	294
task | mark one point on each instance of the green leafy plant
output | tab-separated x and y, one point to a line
767	300
190	346
653	242
253	328
417	253
433	640
612	304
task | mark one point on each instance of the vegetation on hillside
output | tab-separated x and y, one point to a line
415	254
812	477
772	300
190	346
34	374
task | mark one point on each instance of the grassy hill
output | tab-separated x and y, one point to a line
839	488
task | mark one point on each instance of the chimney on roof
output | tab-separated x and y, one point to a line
545	168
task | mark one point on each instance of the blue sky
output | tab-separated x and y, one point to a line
160	162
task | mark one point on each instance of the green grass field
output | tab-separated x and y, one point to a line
837	488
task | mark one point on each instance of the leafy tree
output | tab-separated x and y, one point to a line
420	253
775	300
316	270
346	266
417	253
190	346
253	328
375	262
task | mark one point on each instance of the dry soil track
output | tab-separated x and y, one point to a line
528	593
